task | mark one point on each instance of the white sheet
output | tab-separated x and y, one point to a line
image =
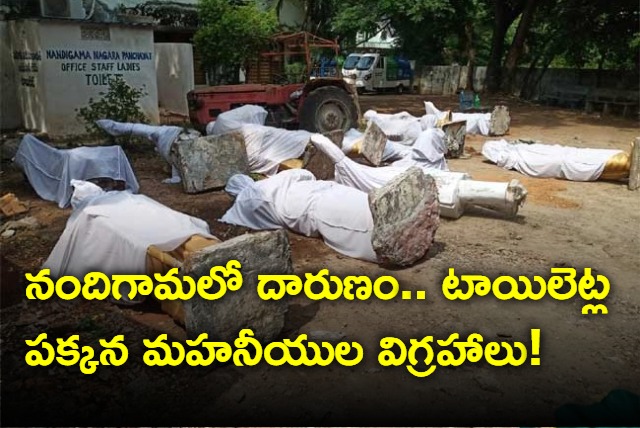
366	178
50	170
427	151
295	200
267	147
477	123
545	160
162	136
111	231
234	119
401	127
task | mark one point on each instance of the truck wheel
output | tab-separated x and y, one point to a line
327	109
400	90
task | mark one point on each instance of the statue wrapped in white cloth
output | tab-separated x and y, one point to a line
456	191
162	136
392	225
495	123
50	170
556	161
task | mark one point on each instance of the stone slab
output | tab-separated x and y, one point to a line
206	163
258	253
373	144
500	121
406	217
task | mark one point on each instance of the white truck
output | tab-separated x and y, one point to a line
375	72
349	67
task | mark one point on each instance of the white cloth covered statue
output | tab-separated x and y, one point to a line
267	147
546	160
406	127
401	127
233	120
477	123
427	151
110	232
456	190
294	199
162	136
50	170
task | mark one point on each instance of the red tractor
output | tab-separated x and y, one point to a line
322	103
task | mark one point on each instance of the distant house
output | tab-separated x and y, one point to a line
383	39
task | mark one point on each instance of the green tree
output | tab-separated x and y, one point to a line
232	32
119	103
582	34
429	31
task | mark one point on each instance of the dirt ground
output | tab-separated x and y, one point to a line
563	223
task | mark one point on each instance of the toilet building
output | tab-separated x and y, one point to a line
59	65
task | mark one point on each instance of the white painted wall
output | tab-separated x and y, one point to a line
29	77
69	63
10	113
174	71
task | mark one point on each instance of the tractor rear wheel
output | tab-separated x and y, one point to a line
328	108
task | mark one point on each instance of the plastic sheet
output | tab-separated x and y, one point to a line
50	170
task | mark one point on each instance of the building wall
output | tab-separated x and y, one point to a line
67	63
175	76
26	53
10	114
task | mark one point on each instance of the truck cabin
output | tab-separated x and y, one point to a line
350	63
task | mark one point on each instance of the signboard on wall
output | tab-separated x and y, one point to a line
64	65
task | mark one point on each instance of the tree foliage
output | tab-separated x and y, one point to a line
119	103
232	32
503	34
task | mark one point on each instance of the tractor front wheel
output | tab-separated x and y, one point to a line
327	109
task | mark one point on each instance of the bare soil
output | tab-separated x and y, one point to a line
563	223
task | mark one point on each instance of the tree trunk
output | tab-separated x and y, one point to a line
504	15
527	89
471	54
600	67
547	63
494	71
515	51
